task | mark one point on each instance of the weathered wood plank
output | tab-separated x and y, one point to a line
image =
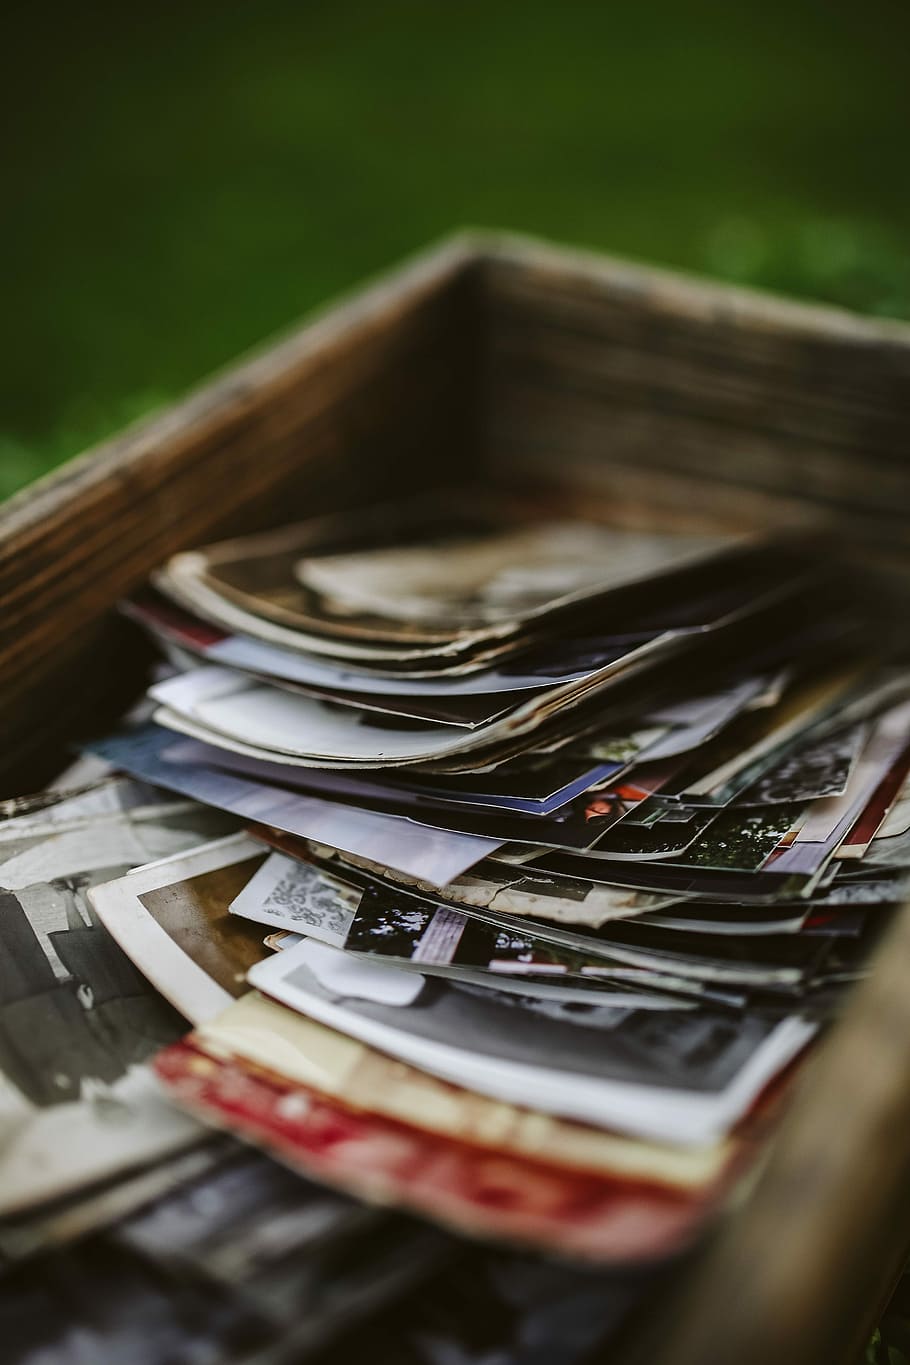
610	365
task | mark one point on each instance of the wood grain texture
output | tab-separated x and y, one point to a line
709	404
619	372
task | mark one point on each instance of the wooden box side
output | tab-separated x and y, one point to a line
374	398
754	409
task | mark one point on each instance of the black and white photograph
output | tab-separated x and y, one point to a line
78	1022
688	1078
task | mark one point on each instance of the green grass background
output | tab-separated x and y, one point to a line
179	182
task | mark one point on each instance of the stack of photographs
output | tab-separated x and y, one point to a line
127	1231
503	865
563	839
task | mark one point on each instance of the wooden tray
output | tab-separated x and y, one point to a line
494	356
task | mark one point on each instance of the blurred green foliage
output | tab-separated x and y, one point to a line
182	181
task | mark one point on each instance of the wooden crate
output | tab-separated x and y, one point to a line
488	356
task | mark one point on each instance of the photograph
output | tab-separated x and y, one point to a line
890	851
518	890
519	1201
578	824
276	1038
215	1267
810	771
486	569
755	743
499	576
897	821
78	1021
686	1078
172	920
437	855
653	828
51	1226
404	929
234	707
289	894
410	930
